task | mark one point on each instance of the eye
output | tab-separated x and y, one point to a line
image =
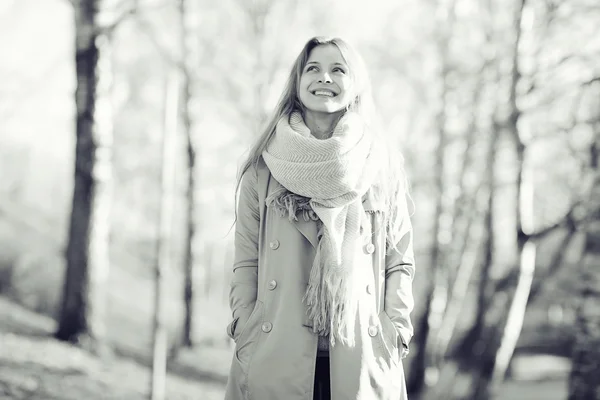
338	69
311	68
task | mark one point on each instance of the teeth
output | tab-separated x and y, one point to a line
323	93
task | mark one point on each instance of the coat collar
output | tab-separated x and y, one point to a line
307	228
268	184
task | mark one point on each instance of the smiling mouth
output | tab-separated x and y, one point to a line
324	93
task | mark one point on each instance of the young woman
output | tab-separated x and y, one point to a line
322	286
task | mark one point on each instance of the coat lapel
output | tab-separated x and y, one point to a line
307	228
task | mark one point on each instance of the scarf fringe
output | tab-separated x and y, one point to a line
331	305
285	202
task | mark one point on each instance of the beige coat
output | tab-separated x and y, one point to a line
274	357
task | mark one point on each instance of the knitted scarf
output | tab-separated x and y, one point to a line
334	174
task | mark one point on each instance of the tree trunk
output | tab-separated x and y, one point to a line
467	236
423	368
509	307
516	312
480	239
163	259
583	380
472	351
209	276
188	291
415	381
84	298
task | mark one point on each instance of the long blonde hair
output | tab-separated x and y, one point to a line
393	180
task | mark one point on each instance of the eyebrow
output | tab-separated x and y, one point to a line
336	63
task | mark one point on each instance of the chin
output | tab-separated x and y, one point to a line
335	110
327	109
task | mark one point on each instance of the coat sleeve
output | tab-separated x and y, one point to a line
244	283
400	270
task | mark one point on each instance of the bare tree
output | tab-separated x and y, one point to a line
186	63
473	203
523	285
477	243
526	247
191	152
84	293
505	310
163	259
498	346
436	290
257	13
583	380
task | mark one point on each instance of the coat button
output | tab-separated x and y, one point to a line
266	327
373	331
369	248
272	284
274	245
370	288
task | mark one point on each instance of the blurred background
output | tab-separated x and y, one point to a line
122	127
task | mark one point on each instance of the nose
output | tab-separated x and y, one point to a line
325	78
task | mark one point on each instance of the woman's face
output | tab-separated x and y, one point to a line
325	84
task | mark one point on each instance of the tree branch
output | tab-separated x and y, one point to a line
566	221
591	81
164	53
555	264
553	268
110	28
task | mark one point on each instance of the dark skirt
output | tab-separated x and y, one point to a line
322	390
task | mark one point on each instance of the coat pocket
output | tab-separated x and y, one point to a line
248	336
389	336
231	328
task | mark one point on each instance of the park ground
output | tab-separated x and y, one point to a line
33	366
